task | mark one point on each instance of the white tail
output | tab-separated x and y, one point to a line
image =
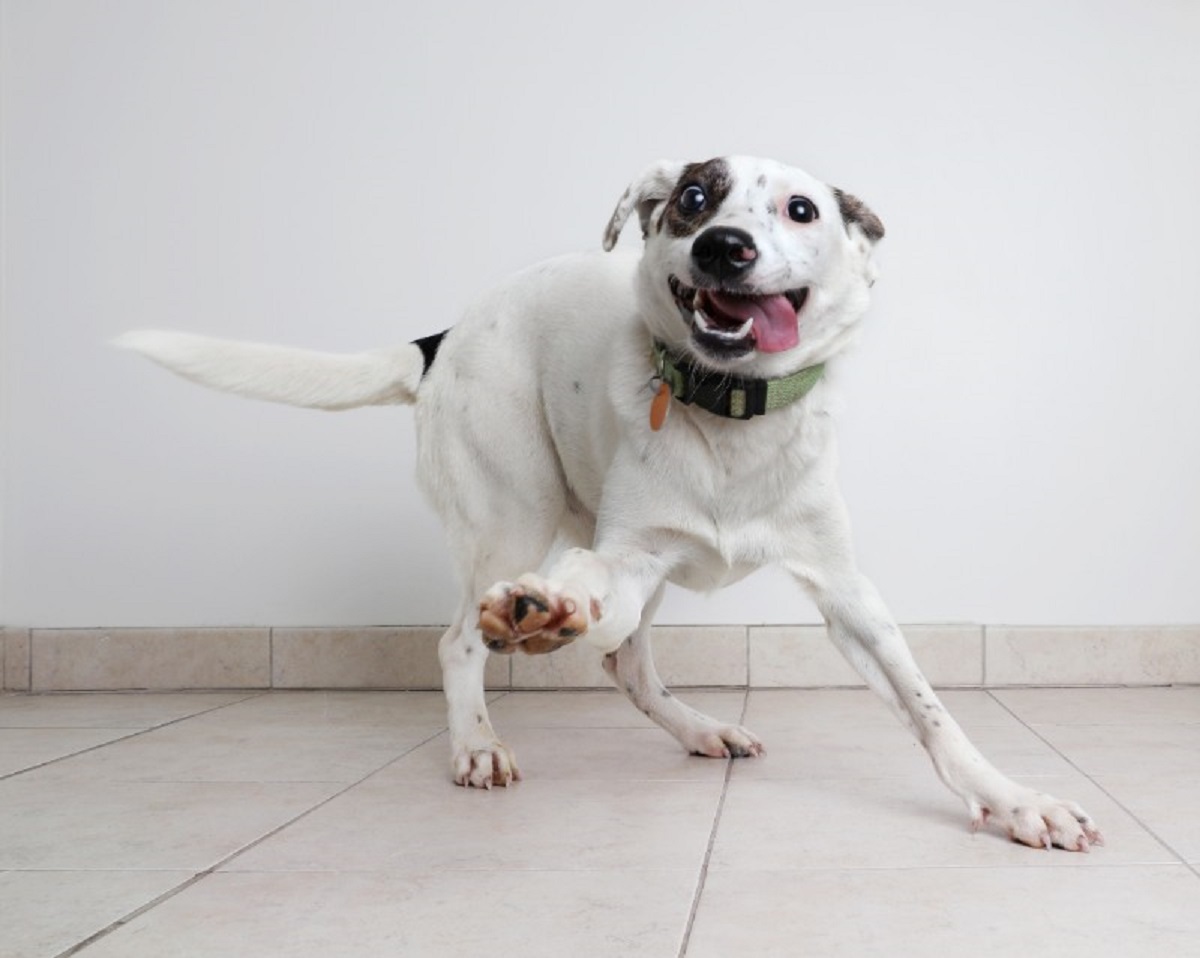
298	377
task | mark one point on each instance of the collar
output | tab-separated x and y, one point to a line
734	397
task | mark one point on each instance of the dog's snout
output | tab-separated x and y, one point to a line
724	252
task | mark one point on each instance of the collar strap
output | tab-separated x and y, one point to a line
733	397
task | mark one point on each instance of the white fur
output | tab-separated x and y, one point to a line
298	377
533	426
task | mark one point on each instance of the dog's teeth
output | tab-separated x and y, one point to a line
729	335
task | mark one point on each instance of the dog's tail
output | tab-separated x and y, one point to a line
298	377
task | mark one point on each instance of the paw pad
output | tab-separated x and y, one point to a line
528	617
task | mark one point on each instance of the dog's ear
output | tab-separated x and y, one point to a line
856	213
653	187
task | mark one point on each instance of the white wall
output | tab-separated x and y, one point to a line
1021	436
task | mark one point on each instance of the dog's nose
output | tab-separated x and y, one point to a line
724	252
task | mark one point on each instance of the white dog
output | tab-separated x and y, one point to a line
665	415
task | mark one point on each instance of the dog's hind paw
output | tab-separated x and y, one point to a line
1040	821
531	616
724	741
485	767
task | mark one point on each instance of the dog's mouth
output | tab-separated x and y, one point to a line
731	323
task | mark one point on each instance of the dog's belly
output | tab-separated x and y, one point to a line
707	576
725	554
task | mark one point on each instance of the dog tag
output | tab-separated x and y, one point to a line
659	406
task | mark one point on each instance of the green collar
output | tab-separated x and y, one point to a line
733	397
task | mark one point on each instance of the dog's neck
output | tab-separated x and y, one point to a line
733	397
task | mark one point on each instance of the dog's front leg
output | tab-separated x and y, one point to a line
478	757
863	630
597	595
631	667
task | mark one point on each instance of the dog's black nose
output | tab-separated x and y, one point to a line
724	252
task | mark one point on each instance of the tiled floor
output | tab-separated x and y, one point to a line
323	824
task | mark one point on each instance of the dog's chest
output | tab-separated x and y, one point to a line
736	495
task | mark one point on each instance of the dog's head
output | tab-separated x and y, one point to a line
749	265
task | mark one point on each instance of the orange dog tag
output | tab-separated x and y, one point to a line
659	406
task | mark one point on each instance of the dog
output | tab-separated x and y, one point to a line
664	417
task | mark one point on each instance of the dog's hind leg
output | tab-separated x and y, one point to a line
863	630
631	667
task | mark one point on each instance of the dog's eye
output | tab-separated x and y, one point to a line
802	209
692	199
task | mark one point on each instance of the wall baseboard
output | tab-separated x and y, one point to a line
405	657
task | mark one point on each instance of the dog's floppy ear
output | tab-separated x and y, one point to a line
863	229
856	213
654	186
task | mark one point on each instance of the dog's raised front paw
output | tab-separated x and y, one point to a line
724	741
529	615
483	767
1039	820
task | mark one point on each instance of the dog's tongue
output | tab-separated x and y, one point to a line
775	325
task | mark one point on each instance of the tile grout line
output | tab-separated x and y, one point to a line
212	869
133	733
983	651
1181	859
702	879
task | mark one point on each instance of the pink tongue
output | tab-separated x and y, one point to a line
775	325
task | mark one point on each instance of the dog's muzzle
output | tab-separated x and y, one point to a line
727	324
728	316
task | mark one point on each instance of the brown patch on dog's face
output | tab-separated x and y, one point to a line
699	193
857	212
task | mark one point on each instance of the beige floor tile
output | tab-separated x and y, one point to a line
982	912
576	754
337	708
365	658
902	823
868	752
703	655
417	826
803	657
14	660
47	912
202	751
1165	803
355	658
623	912
136	710
1146	750
1143	706
845	708
840	841
25	748
712	655
99	659
1092	656
609	709
574	666
46	823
